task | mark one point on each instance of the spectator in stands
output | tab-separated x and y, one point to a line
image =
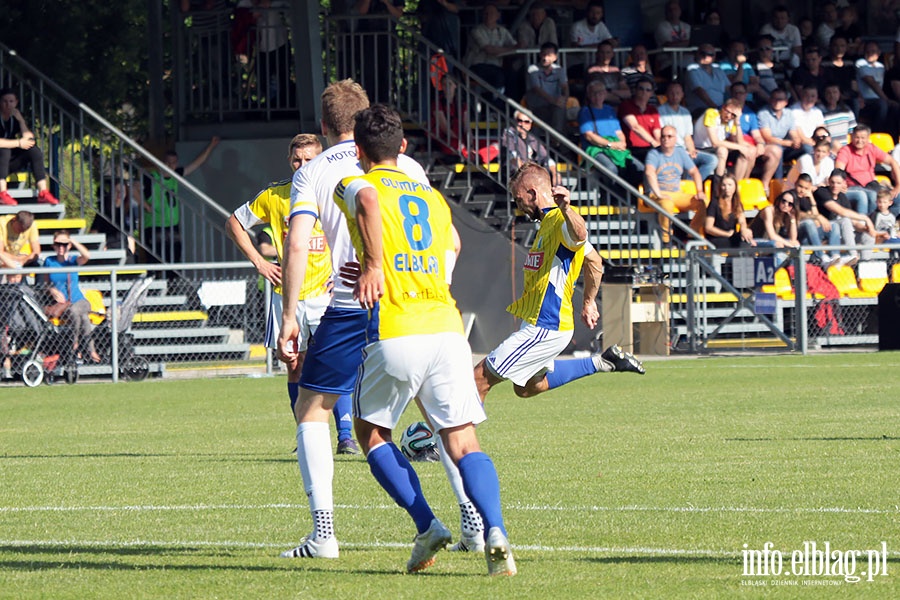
717	131
520	145
842	72
706	85
163	219
775	225
821	133
665	167
850	30
673	114
591	30
672	32
839	119
604	70
738	70
776	124
638	69
879	111
858	159
18	150
749	129
374	45
118	216
817	166
64	288
488	42
812	227
441	25
537	29
726	225
805	25
827	25
641	121
810	73
885	222
19	242
449	115
786	34
807	116
602	136
891	84
768	71
548	89
834	205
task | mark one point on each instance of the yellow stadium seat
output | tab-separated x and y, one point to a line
782	286
753	194
895	273
775	188
844	279
883	141
884	180
873	275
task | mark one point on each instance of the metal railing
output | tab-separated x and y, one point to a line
99	172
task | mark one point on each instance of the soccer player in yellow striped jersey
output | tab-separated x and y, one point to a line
404	237
272	206
528	357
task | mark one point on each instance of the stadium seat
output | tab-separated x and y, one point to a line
844	279
753	194
775	188
895	273
883	141
98	309
884	180
782	286
687	186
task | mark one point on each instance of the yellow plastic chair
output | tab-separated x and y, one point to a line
98	309
873	276
882	140
782	286
753	194
844	279
895	273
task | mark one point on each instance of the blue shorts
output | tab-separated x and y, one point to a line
335	352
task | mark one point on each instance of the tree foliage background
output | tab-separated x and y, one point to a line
94	49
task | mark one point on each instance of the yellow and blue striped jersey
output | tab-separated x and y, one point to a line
418	249
272	206
551	270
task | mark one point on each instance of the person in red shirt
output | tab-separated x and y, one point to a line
641	121
858	159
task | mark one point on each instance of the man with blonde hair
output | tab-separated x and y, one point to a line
335	352
271	207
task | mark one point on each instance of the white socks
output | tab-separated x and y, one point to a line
317	469
469	520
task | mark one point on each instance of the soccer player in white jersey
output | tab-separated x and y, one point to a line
335	351
403	234
529	356
272	206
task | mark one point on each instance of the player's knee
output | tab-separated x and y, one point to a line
525	392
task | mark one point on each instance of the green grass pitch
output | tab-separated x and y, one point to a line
613	486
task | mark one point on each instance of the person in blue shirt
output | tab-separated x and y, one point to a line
64	288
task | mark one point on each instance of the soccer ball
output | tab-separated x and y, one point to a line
416	439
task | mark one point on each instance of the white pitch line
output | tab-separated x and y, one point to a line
518	507
616	550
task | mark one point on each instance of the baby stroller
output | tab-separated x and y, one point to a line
37	350
132	367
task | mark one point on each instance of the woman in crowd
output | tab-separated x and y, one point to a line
726	225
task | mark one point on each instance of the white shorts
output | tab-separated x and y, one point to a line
309	313
436	368
528	352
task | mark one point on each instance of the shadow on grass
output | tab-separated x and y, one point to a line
878	438
675	559
217	456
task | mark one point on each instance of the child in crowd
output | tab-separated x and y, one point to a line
886	231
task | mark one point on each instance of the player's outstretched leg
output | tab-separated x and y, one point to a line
618	360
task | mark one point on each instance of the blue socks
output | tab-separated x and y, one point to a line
483	488
565	371
343	420
293	393
399	480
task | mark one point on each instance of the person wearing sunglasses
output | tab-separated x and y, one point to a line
520	145
775	225
64	288
706	84
665	168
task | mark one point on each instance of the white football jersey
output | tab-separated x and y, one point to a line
312	192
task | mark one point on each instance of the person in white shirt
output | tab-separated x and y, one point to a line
807	116
880	110
785	34
674	115
591	30
671	32
818	166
